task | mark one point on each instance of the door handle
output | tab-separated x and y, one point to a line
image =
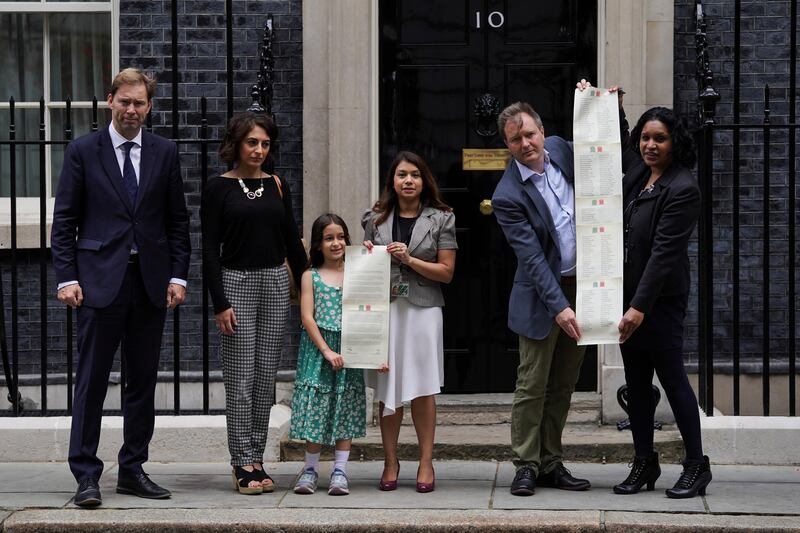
485	207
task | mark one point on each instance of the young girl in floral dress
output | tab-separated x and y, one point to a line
328	406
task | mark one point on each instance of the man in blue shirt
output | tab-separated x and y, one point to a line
534	203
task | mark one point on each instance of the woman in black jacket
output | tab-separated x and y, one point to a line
662	204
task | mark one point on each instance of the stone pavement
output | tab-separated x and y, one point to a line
469	496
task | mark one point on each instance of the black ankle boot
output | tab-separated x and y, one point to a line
694	479
644	471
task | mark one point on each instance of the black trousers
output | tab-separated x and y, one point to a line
640	363
133	320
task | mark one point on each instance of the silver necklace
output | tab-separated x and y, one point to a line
252	195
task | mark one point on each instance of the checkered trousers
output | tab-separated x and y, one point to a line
250	357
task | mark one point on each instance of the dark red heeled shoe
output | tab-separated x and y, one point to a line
389	485
426	487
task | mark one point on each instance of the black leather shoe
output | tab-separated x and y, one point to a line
644	471
88	494
561	478
694	479
141	486
524	483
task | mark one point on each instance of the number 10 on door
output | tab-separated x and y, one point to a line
495	19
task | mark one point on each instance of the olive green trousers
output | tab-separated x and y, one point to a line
546	376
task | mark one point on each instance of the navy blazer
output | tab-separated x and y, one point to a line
94	225
657	262
536	296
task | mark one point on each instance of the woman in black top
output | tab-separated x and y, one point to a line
248	232
662	204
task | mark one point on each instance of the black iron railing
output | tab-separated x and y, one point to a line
765	137
9	340
11	364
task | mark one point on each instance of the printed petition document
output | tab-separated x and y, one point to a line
598	215
365	307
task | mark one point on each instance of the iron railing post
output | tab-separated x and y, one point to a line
792	344
70	356
8	370
43	258
229	55
12	134
176	312
735	192
204	314
707	101
765	318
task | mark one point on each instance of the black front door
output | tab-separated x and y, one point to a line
444	66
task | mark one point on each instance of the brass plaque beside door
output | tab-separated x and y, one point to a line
484	159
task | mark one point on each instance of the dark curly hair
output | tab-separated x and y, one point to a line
430	196
683	149
316	259
238	127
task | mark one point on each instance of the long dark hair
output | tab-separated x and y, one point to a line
316	259
430	196
683	150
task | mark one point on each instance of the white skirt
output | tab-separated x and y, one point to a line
416	356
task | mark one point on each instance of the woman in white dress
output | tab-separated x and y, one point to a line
418	229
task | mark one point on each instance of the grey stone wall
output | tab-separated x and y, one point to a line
765	59
145	42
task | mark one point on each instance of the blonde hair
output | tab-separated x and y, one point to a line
134	76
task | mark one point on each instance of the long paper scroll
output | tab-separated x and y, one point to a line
365	307
598	215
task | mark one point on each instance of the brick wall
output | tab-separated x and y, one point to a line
765	55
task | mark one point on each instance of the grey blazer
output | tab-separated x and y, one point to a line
435	230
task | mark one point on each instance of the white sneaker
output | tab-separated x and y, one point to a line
307	482
339	484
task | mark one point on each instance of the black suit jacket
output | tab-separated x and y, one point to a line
657	263
95	225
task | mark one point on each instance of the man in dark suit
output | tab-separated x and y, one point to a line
120	245
534	203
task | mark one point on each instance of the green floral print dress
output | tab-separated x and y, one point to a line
327	405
